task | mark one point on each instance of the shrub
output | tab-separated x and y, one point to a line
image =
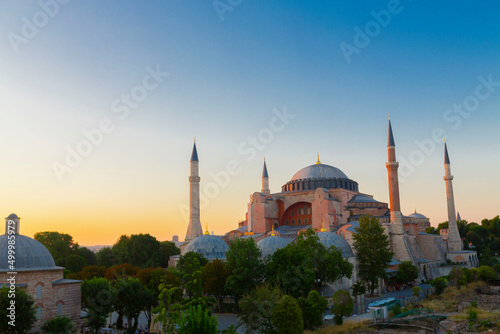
416	290
58	325
439	285
396	309
287	316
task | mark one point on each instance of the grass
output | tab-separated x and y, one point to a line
447	301
346	327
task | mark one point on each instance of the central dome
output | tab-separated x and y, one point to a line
319	171
319	176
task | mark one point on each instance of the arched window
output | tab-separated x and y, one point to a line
229	238
59	308
38	312
299	221
293	212
293	221
305	221
39	291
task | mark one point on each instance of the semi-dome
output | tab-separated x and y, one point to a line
319	176
209	246
329	239
319	171
30	254
271	244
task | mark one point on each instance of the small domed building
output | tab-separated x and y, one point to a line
271	244
35	272
210	246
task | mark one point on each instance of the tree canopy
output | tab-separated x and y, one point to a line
373	251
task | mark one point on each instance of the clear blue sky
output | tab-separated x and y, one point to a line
64	67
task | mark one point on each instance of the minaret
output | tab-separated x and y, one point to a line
454	242
194	228
265	180
392	168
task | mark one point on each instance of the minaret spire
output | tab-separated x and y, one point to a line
392	168
454	241
265	180
194	227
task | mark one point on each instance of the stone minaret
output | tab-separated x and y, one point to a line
194	228
392	168
454	241
265	180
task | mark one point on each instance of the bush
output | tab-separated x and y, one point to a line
58	325
287	316
439	285
396	309
471	315
343	306
486	273
199	321
416	290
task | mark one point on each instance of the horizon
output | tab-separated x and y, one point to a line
101	104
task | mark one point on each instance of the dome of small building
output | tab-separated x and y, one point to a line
209	246
12	216
319	171
30	254
329	239
271	244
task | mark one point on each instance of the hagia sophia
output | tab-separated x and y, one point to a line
324	198
320	196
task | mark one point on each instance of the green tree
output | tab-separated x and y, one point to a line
90	256
358	288
139	250
167	249
486	273
60	245
287	316
244	266
406	273
439	284
431	230
213	277
105	257
373	251
343	305
23	315
58	325
312	308
75	263
191	262
416	290
97	301
291	269
152	279
305	264
257	308
131	297
198	320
